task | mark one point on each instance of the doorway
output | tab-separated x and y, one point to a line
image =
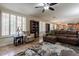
47	28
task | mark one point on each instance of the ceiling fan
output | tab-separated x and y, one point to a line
46	6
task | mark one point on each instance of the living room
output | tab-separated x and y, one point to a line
25	26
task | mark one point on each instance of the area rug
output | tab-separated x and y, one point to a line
49	49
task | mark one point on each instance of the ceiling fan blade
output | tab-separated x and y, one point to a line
51	4
43	10
39	7
51	8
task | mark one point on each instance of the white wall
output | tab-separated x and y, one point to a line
6	41
41	28
51	26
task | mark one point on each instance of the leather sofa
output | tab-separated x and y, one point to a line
69	37
51	39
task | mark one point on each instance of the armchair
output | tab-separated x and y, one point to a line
28	37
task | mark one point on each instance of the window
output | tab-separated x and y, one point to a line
10	23
5	24
24	24
19	22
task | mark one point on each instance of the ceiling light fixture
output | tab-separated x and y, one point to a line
46	7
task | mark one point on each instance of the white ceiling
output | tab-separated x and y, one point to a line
24	8
62	10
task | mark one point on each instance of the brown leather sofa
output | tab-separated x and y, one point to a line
69	37
51	39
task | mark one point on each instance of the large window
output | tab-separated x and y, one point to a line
19	22
10	23
5	24
23	24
